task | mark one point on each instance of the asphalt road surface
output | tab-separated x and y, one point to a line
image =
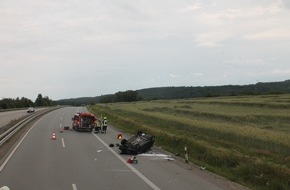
7	116
84	161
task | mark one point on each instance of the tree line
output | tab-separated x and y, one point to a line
125	96
10	103
182	92
215	91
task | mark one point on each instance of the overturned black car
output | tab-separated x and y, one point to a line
137	144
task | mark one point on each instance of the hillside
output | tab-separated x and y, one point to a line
215	91
188	92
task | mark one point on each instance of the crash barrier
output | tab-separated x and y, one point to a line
12	130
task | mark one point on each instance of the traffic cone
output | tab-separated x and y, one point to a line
53	136
130	160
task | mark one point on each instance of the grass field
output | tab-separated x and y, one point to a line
244	138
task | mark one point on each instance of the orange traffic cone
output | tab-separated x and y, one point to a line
130	160
53	136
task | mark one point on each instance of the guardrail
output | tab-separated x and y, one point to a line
12	130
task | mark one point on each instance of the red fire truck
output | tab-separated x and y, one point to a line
83	121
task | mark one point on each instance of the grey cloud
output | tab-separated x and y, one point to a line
121	45
285	3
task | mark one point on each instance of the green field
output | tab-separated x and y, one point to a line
244	138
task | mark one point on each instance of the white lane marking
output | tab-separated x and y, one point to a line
146	180
62	141
13	151
74	187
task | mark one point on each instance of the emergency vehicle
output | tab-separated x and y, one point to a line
83	121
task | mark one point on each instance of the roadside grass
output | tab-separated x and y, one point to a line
245	138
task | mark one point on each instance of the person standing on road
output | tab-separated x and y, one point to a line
97	126
105	124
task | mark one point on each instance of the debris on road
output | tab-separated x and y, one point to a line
169	159
202	168
132	160
157	155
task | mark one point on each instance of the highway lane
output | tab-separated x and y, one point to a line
7	116
84	161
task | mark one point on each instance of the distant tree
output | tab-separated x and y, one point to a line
39	100
127	96
46	101
25	102
182	92
107	99
43	101
8	103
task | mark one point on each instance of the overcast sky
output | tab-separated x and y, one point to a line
84	48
